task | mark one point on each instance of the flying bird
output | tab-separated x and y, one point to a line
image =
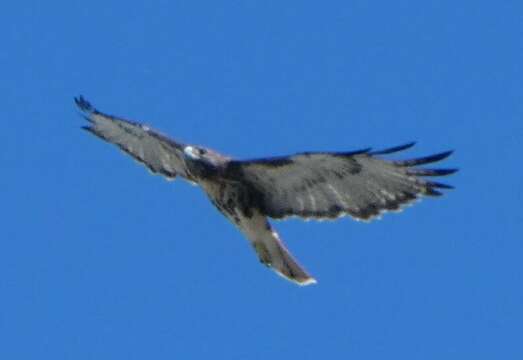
311	185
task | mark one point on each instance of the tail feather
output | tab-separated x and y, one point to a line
273	253
270	249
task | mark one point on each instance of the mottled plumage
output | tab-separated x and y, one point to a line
315	185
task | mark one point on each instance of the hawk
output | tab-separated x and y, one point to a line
310	185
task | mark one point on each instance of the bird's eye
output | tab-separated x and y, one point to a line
201	151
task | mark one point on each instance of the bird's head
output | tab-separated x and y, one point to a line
202	162
194	152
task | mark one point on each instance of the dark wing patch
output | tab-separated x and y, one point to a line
329	185
159	153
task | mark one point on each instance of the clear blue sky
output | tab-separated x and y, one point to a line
100	260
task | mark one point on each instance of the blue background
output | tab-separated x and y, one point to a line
100	260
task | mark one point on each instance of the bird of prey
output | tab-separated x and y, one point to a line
310	185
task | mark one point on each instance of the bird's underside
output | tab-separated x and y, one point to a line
312	185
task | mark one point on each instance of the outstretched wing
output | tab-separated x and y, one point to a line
159	153
329	185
